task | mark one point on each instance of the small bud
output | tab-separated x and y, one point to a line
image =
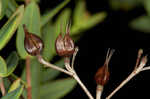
64	46
102	75
33	44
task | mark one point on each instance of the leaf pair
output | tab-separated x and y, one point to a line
6	68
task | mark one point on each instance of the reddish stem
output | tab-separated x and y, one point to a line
28	77
2	87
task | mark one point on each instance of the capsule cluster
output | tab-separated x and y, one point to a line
34	45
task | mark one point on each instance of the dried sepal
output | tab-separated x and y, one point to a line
32	43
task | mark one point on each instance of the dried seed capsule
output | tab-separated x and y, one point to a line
32	43
102	75
64	46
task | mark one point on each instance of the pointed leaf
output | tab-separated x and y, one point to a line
12	6
48	37
88	22
57	89
79	11
10	27
50	74
142	24
147	6
3	7
12	62
15	85
32	20
49	15
14	94
63	19
3	67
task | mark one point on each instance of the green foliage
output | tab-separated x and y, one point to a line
56	89
142	23
124	4
43	80
6	68
10	27
14	94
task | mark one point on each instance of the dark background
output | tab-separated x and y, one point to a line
113	32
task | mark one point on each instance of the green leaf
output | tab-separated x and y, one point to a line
14	94
50	74
0	8
15	85
124	4
63	19
79	11
12	62
48	37
12	6
10	27
147	6
49	15
32	20
57	89
3	67
88	22
3	7
142	23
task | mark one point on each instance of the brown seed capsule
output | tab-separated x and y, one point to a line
32	43
102	75
64	46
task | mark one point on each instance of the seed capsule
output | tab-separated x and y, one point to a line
64	46
32	43
102	75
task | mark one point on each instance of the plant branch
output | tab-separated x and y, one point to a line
2	86
70	71
28	78
138	69
74	56
76	77
99	91
47	64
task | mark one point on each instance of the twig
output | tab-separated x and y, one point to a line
76	77
28	77
146	68
74	55
122	84
82	86
42	61
99	91
138	69
70	72
2	86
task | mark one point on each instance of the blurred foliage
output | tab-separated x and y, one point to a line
140	23
43	80
124	4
